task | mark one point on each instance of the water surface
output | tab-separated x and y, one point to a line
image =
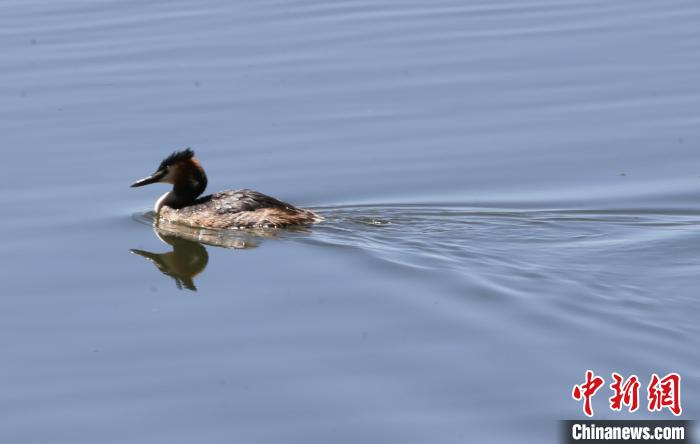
511	193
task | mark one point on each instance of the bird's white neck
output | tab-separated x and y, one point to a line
161	201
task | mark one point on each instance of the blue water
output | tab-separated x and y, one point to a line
511	193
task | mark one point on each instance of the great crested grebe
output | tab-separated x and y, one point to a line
225	209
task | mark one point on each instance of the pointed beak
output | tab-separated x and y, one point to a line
153	178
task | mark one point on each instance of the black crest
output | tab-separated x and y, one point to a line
177	156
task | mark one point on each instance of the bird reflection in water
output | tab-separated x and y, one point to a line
186	260
188	257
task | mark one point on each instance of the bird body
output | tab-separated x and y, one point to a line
238	209
225	209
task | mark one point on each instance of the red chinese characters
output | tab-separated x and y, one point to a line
586	391
625	394
662	393
665	393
